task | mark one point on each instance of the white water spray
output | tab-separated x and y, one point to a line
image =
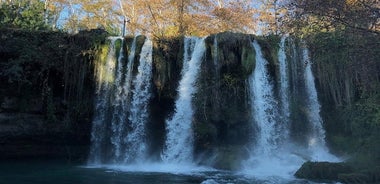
284	88
118	134
317	144
136	139
271	156
179	140
118	116
263	105
121	104
105	79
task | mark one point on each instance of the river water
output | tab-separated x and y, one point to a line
58	172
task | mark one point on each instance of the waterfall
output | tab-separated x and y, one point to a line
105	77
124	92
189	46
179	138
263	105
215	51
121	112
318	133
120	106
317	144
271	156
293	67
135	140
121	103
284	83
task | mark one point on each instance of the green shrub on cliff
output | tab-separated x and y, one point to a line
55	68
24	14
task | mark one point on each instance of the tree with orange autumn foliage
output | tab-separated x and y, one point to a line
186	17
155	17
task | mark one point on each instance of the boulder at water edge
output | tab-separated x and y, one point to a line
322	170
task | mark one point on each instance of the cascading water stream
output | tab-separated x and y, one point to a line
317	144
179	138
189	46
275	154
119	125
136	139
284	84
263	105
118	116
318	134
270	156
121	104
118	134
215	51
105	79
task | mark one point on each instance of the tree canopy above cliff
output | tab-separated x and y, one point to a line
193	17
330	15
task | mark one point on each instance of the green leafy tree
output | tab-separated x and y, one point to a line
24	14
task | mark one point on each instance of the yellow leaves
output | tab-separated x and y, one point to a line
234	16
157	17
222	13
270	14
351	2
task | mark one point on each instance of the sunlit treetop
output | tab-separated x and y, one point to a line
160	18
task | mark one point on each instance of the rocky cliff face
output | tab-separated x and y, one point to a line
48	84
347	74
222	111
46	95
